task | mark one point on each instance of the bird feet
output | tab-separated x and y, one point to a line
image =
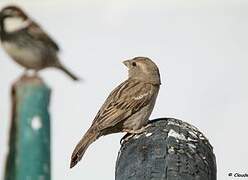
131	133
27	76
29	73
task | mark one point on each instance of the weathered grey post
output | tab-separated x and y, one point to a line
29	141
170	149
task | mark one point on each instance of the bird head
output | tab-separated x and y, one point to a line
143	69
13	18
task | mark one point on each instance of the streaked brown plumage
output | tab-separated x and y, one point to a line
127	108
27	43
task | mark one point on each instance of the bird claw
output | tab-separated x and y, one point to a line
132	133
126	138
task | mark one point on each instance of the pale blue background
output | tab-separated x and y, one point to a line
201	48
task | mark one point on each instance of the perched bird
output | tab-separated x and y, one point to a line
127	108
27	43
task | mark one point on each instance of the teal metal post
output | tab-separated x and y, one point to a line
29	142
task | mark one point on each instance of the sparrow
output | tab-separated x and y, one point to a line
127	108
27	43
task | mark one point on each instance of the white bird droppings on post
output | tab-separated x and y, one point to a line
193	140
137	136
176	135
171	150
173	123
36	123
165	130
191	145
193	134
148	134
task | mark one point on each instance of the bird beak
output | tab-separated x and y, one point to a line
126	63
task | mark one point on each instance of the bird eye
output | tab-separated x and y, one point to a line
134	64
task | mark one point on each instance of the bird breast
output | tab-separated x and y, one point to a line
140	118
29	58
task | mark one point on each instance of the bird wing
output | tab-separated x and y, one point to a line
38	33
128	98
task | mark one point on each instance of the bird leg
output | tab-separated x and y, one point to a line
25	73
30	73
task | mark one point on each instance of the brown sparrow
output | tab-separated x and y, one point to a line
26	42
127	108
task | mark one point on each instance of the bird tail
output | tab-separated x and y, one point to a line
65	70
89	137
